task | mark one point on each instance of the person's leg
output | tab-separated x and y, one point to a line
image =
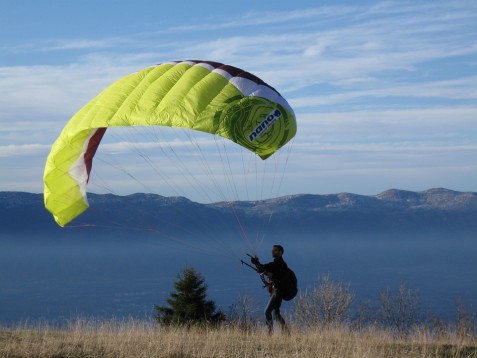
268	313
279	317
274	306
276	313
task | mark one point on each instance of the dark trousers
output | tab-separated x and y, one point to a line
273	305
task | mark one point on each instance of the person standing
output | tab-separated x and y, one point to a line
275	271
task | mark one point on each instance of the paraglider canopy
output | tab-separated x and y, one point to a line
198	95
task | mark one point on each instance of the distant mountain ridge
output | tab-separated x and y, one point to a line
436	209
438	199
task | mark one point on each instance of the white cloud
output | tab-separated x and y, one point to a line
23	150
455	89
427	131
270	17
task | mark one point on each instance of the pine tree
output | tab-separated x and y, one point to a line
188	304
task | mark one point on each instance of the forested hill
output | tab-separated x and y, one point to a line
439	209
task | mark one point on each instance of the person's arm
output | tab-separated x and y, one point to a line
261	267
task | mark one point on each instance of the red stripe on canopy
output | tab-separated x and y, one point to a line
92	147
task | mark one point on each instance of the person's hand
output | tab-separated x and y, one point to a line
255	261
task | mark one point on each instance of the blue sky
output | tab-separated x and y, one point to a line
385	92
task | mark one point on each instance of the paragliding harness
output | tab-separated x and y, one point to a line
289	281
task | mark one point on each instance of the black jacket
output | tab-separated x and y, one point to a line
277	268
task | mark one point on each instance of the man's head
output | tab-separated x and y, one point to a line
277	251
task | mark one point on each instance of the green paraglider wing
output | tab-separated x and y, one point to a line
201	95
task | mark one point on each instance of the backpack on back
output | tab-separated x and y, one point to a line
289	285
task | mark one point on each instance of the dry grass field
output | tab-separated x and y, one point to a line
145	339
